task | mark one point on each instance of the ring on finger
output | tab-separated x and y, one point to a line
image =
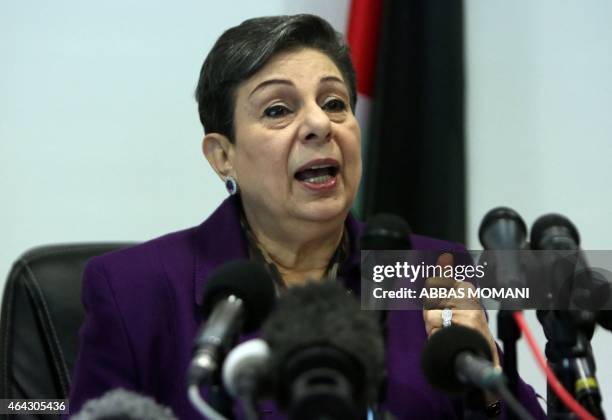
447	317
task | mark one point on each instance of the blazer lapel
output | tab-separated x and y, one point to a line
218	240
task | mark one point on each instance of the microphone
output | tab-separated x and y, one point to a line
237	298
385	231
245	367
244	373
604	319
554	232
120	404
576	285
503	229
327	355
457	357
569	332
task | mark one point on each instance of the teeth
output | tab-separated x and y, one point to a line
320	166
318	179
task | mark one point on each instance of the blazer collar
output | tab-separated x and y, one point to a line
220	239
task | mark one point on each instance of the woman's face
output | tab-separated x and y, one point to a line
297	150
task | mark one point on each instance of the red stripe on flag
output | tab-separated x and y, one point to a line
363	32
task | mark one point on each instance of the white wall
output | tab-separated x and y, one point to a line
99	131
539	128
100	139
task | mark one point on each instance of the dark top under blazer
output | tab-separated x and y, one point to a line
143	310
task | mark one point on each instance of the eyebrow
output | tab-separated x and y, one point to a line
332	79
271	82
290	83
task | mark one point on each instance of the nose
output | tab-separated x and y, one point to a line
316	125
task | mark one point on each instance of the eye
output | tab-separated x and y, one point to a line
334	105
276	111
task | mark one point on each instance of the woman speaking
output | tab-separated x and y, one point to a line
276	97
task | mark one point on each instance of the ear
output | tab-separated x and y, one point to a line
220	154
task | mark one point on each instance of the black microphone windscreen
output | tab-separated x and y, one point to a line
325	315
120	404
511	230
605	319
555	225
385	231
441	350
248	281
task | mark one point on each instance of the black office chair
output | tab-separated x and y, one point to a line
40	320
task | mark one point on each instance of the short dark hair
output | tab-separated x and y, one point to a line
243	50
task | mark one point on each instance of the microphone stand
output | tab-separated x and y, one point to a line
568	349
509	333
560	338
586	387
569	354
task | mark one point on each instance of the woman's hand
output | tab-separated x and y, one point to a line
466	311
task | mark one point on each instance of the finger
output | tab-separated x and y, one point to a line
433	331
440	282
445	259
436	283
433	320
472	318
465	302
465	317
476	320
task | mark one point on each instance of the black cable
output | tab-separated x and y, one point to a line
513	404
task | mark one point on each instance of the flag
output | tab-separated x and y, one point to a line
411	70
363	35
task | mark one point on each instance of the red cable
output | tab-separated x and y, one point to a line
556	386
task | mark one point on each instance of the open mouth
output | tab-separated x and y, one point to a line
317	174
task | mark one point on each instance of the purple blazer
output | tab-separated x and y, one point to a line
143	310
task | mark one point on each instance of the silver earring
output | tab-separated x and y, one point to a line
231	185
